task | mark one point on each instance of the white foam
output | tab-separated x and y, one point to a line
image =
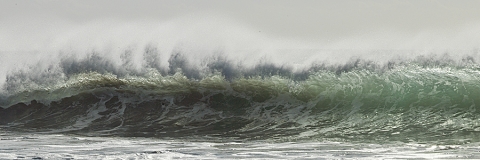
73	147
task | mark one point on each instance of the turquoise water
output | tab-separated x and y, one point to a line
407	102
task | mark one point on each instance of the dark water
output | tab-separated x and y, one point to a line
418	101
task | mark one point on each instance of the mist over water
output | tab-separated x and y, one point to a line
239	79
211	43
217	76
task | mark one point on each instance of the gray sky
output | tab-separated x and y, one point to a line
308	19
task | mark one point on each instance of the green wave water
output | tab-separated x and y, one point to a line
410	103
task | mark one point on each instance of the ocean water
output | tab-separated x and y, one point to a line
338	81
422	108
61	146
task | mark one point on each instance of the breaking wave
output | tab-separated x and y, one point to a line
427	98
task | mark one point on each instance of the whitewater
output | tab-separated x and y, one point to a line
215	88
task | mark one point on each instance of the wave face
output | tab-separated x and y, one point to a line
422	101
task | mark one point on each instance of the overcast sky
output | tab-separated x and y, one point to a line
310	20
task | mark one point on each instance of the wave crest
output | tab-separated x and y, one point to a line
434	102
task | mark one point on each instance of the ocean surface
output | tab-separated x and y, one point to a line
83	108
239	79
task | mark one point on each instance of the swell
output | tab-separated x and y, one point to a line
121	113
409	102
